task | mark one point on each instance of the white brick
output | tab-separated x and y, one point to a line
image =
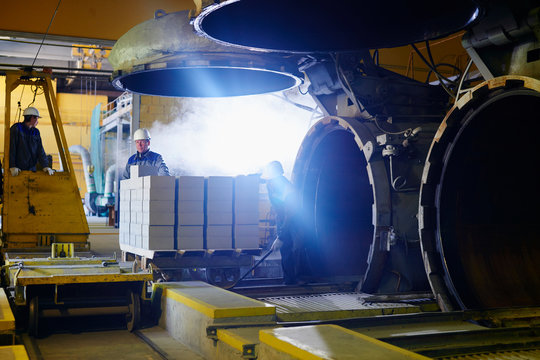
138	241
246	230
149	231
126	184
190	231
246	186
135	183
157	218
219	218
247	218
219	206
136	171
167	182
158	206
158	243
220	188
191	181
125	195
191	194
136	194
218	242
190	237
190	243
190	188
219	230
134	229
246	242
191	206
186	218
136	205
252	206
155	193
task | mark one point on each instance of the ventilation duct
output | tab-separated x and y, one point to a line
323	26
165	57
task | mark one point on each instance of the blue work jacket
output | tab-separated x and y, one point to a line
148	158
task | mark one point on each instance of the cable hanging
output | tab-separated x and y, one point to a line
47	32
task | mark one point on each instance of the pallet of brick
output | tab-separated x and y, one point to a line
246	200
157	217
246	236
219	200
190	237
219	237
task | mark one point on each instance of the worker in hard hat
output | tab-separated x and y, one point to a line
144	156
26	149
283	200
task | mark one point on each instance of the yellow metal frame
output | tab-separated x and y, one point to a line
50	208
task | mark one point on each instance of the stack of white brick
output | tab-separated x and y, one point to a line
148	216
246	212
219	212
190	218
147	211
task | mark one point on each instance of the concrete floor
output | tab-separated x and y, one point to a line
103	239
111	344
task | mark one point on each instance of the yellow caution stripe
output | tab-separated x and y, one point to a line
331	342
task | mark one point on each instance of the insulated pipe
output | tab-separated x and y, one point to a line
479	199
110	176
165	57
87	163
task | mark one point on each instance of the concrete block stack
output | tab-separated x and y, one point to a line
147	211
157	216
246	212
190	217
189	212
219	212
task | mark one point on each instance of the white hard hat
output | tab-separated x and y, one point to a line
31	111
141	134
272	170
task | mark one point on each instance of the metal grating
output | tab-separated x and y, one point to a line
500	355
327	302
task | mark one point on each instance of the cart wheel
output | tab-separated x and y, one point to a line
223	277
134	316
33	317
198	274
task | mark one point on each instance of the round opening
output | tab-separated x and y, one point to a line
488	204
339	199
205	82
308	26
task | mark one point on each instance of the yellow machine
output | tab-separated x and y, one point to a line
47	265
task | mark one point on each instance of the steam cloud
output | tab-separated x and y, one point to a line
232	136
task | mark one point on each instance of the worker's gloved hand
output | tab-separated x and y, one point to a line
48	170
276	245
14	171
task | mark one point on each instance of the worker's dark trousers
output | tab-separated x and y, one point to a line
288	262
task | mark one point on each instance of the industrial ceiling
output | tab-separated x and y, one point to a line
24	24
